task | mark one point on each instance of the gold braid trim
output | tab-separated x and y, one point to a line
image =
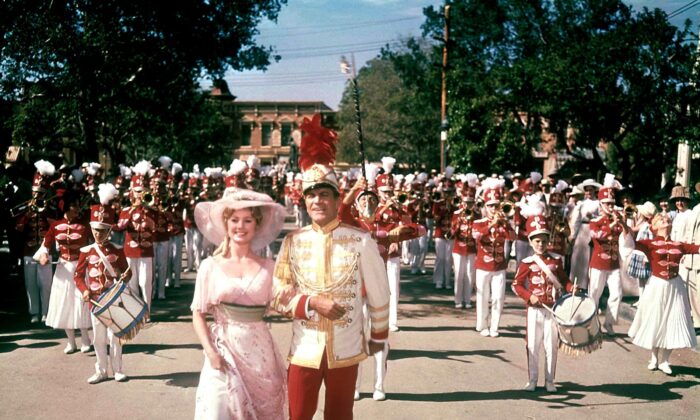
343	280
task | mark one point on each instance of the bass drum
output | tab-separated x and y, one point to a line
578	324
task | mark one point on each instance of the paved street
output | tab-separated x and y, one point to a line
439	367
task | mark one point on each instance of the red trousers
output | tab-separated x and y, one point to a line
304	383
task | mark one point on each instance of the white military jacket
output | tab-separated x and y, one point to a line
339	262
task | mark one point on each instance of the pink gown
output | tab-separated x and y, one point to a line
254	386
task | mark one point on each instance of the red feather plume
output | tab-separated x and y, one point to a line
317	145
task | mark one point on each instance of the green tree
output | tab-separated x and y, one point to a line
619	77
399	118
120	75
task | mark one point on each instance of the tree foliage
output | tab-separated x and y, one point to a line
120	75
400	109
617	76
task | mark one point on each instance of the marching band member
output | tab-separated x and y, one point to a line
663	321
297	199
585	211
522	245
539	281
99	266
605	260
490	233
420	213
388	217
464	247
442	215
32	224
138	221
161	237
639	267
558	244
176	229
327	266
66	310
193	238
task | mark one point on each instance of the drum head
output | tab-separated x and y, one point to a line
574	310
109	297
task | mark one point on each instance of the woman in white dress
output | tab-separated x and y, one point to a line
243	376
663	322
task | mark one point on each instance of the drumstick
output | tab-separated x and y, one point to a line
571	313
96	304
553	313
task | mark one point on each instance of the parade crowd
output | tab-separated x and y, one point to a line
89	240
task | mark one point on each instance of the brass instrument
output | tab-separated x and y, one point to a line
402	198
468	214
35	204
436	196
456	200
479	204
147	198
630	211
507	208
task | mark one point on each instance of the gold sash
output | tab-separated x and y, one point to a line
242	313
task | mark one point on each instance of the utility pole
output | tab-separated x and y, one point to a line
685	152
444	124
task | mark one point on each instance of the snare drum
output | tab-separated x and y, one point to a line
578	324
121	311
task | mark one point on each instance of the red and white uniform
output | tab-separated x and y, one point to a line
176	233
91	275
66	309
491	264
464	257
442	216
161	260
193	238
605	265
521	243
663	320
37	278
529	280
140	226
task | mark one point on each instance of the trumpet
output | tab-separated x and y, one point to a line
468	214
456	200
630	210
507	208
402	198
147	198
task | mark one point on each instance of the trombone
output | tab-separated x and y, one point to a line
36	204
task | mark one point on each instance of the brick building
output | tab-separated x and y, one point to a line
266	128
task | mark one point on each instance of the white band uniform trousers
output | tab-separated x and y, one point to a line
597	282
490	286
465	277
541	332
37	281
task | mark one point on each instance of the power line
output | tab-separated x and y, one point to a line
684	8
334	26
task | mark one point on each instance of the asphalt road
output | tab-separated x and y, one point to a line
439	368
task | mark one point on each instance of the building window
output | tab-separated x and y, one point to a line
266	133
286	133
246	129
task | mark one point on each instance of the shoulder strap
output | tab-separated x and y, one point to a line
105	261
547	271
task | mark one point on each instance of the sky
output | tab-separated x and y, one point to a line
312	35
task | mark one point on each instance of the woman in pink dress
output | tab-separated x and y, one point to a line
243	376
